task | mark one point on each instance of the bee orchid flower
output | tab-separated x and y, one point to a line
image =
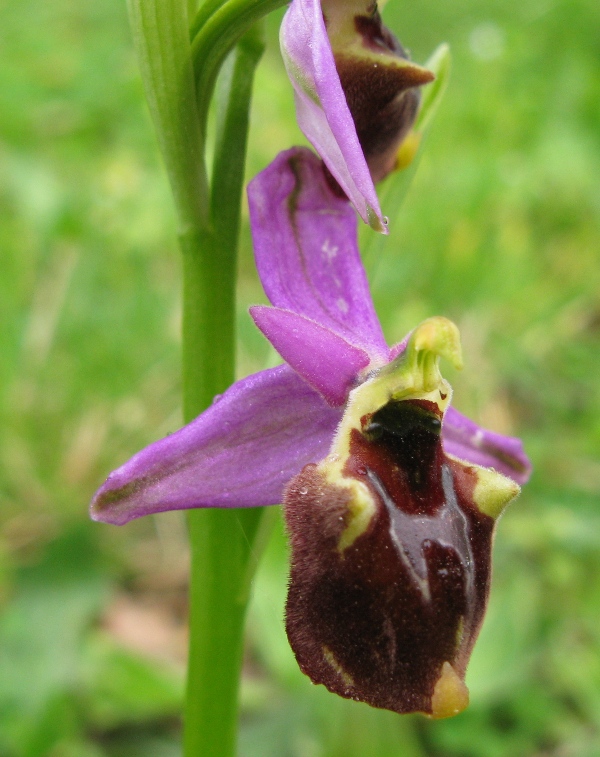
356	92
390	495
256	436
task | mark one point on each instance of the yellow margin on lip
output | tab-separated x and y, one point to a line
360	512
493	491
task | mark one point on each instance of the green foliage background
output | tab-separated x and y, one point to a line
500	231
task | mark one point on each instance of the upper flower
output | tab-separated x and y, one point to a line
244	449
355	90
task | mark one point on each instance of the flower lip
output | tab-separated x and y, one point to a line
388	533
384	101
391	542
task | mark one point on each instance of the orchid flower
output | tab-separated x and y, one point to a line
243	450
390	495
355	90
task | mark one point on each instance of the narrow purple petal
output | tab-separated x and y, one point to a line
325	360
239	453
321	107
464	439
306	250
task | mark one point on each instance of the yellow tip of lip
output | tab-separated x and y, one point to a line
407	151
450	696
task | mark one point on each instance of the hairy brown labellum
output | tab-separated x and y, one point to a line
391	563
391	542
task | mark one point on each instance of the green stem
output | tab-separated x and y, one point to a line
161	38
216	35
205	11
221	567
221	540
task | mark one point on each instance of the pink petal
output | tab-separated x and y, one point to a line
328	362
464	439
306	250
239	453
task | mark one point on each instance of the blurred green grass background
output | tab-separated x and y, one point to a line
500	231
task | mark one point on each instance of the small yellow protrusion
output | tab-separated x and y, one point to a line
493	491
450	696
407	150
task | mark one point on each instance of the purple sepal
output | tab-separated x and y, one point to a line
464	439
324	359
306	250
240	452
321	107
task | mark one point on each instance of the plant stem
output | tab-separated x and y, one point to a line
218	597
221	540
216	36
208	219
161	38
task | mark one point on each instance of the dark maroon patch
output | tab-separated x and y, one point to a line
377	622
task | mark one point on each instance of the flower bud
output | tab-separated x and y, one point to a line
378	79
355	93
